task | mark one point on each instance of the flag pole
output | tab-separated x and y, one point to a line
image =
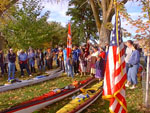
117	34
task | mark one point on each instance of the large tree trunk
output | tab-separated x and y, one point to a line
107	13
105	35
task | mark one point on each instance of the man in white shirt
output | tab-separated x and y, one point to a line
128	53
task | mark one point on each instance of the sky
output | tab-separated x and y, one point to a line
58	13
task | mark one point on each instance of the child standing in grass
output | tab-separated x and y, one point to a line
70	66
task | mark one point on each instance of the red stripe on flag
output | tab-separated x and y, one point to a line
107	78
69	41
118	71
117	108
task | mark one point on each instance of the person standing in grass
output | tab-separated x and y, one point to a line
11	64
49	58
70	66
2	62
23	59
83	62
61	59
128	53
88	70
133	67
31	57
99	68
65	59
6	63
94	57
56	51
75	56
40	57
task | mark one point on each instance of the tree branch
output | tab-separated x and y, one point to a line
100	5
96	15
110	8
104	9
124	1
8	6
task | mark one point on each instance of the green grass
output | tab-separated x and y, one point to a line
134	100
11	98
14	97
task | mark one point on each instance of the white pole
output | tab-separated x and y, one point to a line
147	83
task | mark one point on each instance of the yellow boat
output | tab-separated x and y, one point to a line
82	101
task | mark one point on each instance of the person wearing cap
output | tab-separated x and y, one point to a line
11	64
23	59
2	62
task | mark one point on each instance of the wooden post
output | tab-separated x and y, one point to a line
147	83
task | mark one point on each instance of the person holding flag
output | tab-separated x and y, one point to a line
115	72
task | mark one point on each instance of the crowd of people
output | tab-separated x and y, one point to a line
87	59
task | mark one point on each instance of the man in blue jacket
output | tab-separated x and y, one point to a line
75	55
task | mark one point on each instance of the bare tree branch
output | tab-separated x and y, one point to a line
104	9
100	5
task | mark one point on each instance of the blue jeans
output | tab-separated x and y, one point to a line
65	65
11	69
57	60
24	65
127	67
70	71
132	74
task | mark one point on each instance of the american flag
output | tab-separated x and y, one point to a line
115	73
69	41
